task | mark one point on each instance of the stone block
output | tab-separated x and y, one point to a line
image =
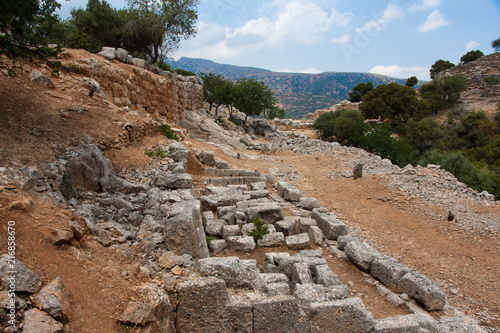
240	315
241	243
233	271
230	231
325	276
316	293
316	235
287	227
287	192
285	263
305	224
272	256
202	305
181	233
343	240
396	325
423	290
278	289
268	213
218	245
310	203
301	274
278	314
331	226
346	315
174	181
274	278
297	242
388	270
272	240
214	227
361	254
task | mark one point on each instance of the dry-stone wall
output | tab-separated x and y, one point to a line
144	87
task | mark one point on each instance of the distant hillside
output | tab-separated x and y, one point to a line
299	94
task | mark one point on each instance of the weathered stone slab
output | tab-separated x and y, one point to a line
218	245
278	289
230	231
214	227
396	325
241	243
316	235
25	280
423	290
174	181
180	233
233	271
331	226
305	224
268	213
361	254
301	274
343	240
346	316
388	270
298	242
285	263
287	227
316	293
272	240
310	203
325	276
288	192
272	256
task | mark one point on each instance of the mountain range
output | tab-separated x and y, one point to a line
298	93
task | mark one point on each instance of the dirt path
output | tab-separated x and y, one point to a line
466	266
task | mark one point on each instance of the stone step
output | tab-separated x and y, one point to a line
225	181
231	173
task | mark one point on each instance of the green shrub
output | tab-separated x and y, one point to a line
325	124
184	72
166	130
381	141
158	153
349	127
260	229
478	177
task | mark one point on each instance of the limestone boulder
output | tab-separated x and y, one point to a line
25	280
53	300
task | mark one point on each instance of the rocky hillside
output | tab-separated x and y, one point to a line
480	95
300	94
108	226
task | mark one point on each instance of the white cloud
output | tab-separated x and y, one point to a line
280	21
434	21
472	45
297	21
421	73
390	14
342	39
424	5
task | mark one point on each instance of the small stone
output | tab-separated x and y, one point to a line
177	271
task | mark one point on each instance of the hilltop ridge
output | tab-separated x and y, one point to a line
298	93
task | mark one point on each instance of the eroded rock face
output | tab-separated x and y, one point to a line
53	300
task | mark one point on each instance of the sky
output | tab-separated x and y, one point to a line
399	38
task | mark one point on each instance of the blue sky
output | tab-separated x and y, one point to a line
400	38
